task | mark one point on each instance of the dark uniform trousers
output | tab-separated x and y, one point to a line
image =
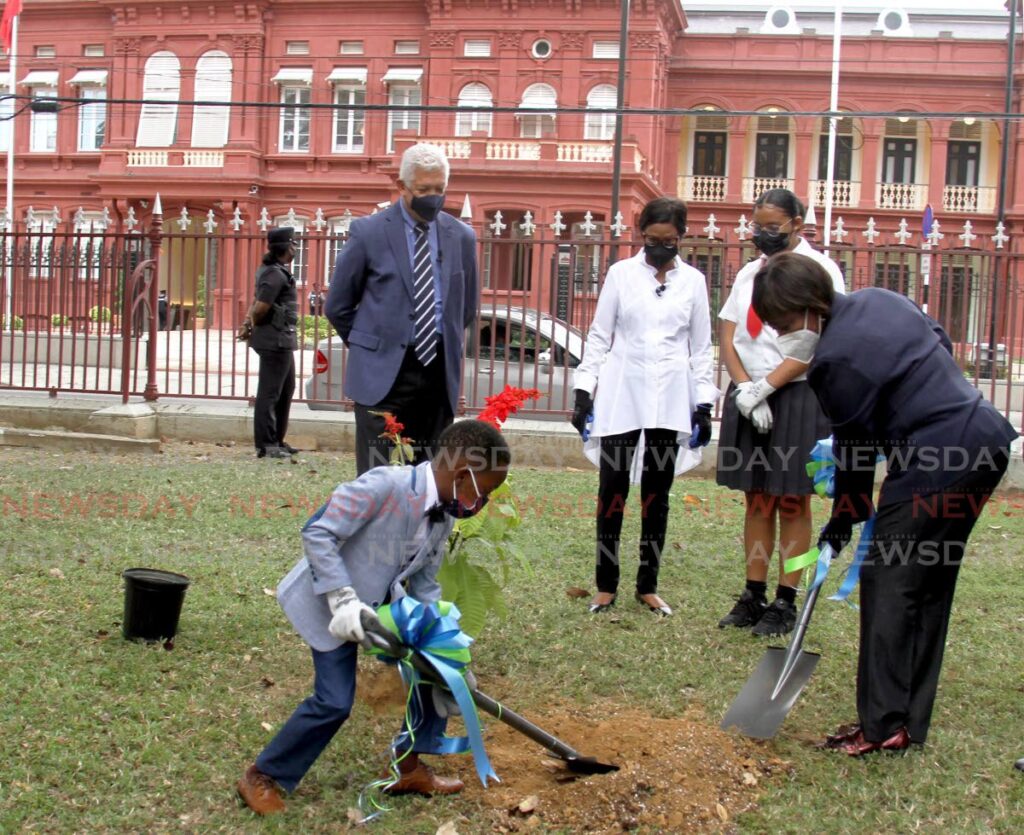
907	585
418	399
274	392
660	450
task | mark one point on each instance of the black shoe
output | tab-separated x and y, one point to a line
747	611
289	449
778	619
601	607
261	453
275	452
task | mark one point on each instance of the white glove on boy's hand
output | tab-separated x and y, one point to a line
761	417
747	398
346	608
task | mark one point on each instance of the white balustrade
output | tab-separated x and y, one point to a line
700	188
904	196
599	152
150	159
754	187
203	159
975	199
511	150
845	193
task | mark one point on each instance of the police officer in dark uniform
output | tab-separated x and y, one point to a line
270	328
946	449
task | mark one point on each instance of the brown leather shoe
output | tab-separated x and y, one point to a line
420	779
859	746
260	792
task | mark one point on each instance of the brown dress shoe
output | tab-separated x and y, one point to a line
420	779
260	792
859	746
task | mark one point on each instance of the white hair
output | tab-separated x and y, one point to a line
424	156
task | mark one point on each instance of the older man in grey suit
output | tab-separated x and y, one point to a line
403	293
378	538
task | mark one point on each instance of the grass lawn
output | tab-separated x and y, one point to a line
101	735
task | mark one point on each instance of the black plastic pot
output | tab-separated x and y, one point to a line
152	603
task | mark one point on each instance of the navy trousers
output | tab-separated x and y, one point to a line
314	723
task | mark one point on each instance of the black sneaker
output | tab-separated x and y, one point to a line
289	448
747	611
778	619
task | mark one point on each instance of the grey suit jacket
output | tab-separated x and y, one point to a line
364	537
370	301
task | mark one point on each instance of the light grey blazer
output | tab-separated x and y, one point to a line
364	537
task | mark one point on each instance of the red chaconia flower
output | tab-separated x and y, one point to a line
392	426
507	402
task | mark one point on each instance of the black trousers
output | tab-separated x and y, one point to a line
907	585
274	394
617	451
419	399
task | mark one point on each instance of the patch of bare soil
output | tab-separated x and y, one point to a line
676	774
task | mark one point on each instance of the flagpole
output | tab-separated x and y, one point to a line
12	89
837	25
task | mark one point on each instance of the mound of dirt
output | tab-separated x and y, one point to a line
676	774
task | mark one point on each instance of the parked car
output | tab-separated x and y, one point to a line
506	346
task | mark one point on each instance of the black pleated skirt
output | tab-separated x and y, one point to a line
774	462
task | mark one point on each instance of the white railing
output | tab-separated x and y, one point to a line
584	152
453	148
203	159
152	159
754	187
905	196
700	188
513	150
845	193
980	199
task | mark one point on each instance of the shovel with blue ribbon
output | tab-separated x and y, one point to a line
431	644
769	694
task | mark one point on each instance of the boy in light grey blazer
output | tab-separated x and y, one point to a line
379	538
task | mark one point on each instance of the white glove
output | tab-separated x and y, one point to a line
444	702
761	417
346	608
747	398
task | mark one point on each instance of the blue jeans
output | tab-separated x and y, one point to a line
315	722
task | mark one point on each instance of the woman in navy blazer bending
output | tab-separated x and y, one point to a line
886	379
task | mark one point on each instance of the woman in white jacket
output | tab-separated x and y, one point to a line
646	376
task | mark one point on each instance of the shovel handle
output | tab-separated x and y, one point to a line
385	640
800	628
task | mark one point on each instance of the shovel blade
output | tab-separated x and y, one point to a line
754	712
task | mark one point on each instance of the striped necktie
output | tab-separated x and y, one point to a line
424	330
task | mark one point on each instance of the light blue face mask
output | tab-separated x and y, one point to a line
800	344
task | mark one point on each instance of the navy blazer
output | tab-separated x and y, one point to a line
887	381
370	301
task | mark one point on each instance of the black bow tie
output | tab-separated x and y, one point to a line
436	513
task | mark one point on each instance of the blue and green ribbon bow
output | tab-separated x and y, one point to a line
432	629
822	470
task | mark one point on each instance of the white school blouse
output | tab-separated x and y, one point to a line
761	356
648	359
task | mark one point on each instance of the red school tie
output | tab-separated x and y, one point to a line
753	322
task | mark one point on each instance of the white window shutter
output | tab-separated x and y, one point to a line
602	97
213	83
160	89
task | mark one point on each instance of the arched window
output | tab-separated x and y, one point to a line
601	123
161	86
213	83
534	122
473	96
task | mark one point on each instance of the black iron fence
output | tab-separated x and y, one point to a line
154	313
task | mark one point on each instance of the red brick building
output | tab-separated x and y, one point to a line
308	137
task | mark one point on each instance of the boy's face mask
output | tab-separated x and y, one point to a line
457	510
